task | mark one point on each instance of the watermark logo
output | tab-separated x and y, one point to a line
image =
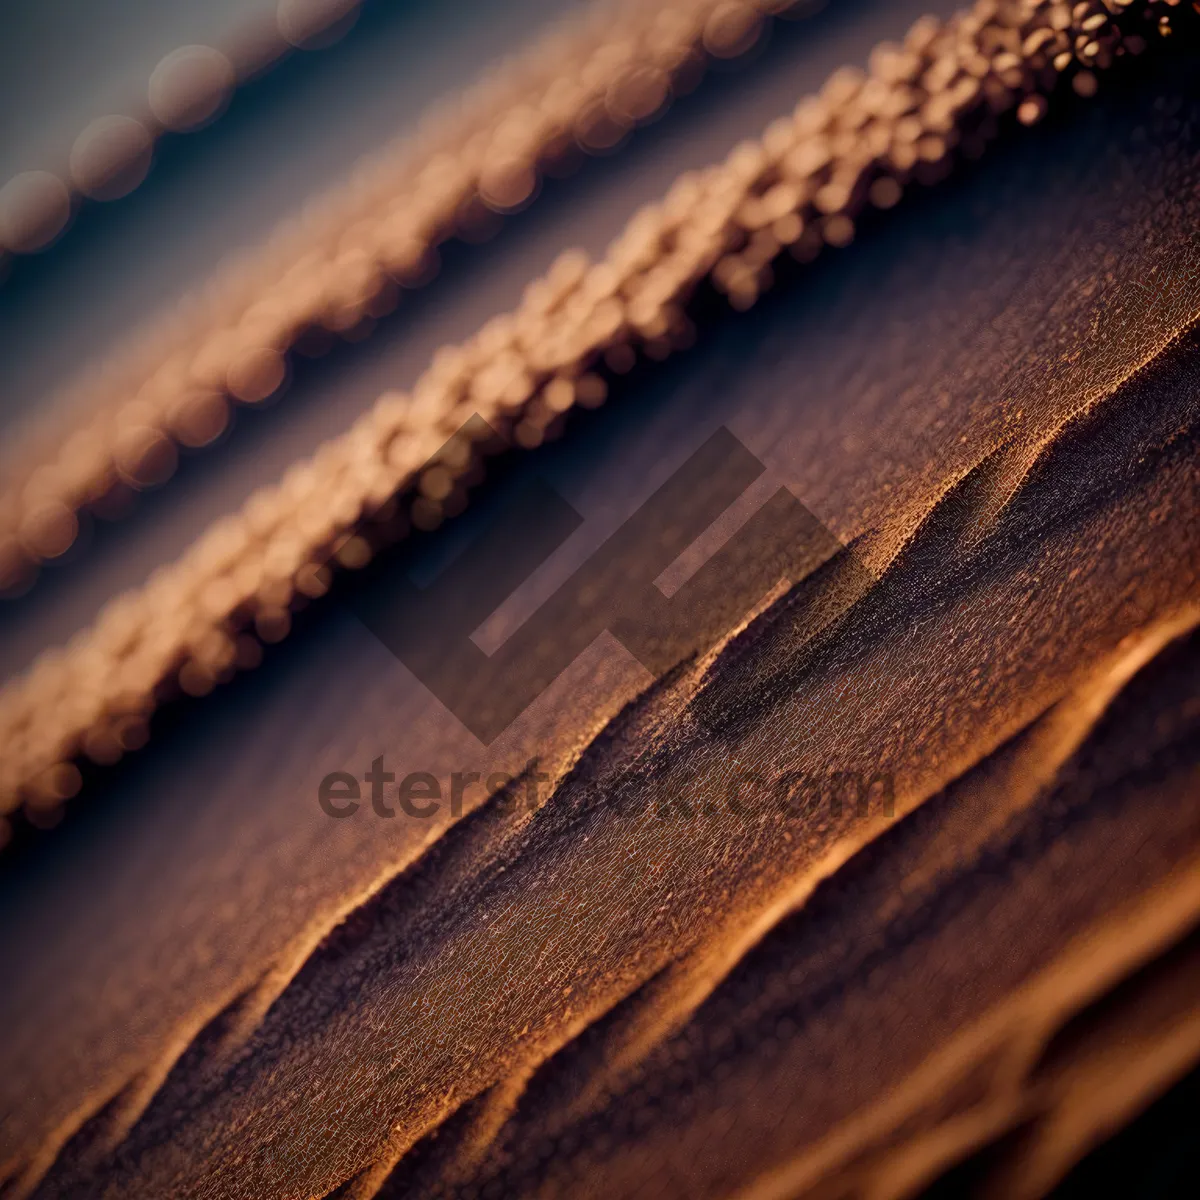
723	788
429	629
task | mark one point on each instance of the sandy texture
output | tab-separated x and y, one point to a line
991	400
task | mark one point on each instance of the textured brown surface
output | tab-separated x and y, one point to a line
991	397
924	104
